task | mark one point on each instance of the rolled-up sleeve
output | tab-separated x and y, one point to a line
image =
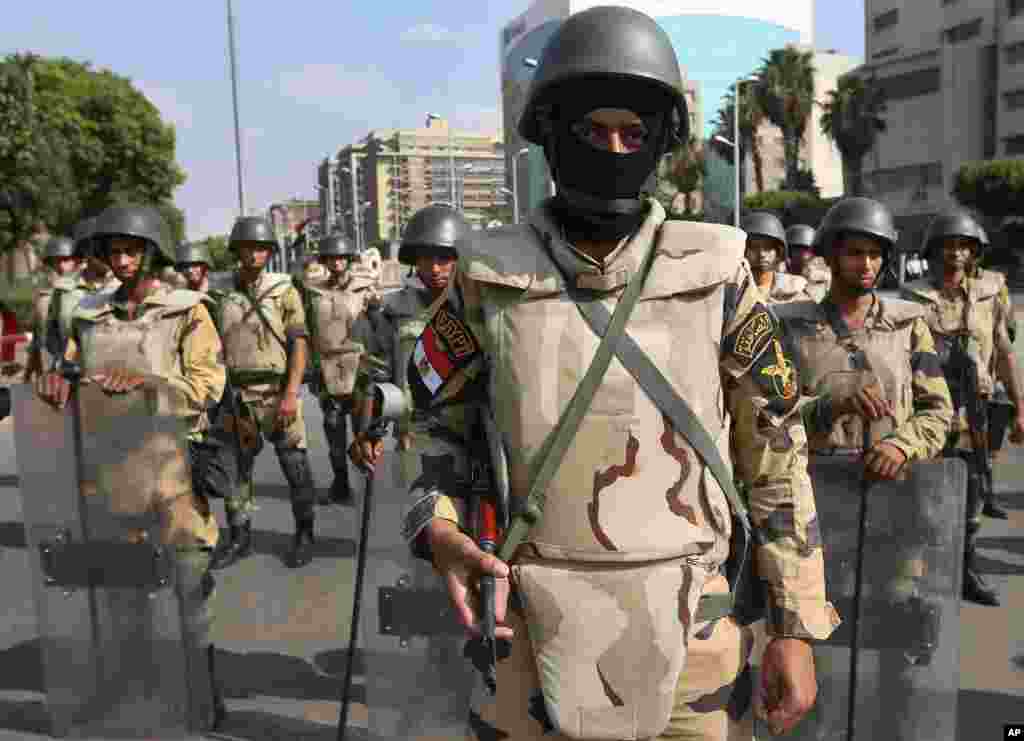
203	376
769	445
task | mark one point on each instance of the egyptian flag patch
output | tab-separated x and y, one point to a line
446	346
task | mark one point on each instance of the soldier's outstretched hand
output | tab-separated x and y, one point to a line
788	684
461	564
869	403
287	409
118	381
53	388
884	461
1017	429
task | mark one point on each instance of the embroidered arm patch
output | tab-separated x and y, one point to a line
761	345
446	347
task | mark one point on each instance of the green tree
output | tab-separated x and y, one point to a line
994	188
793	207
785	91
73	141
222	258
853	119
681	172
751	118
35	179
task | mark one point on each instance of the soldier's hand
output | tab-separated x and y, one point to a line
884	461
118	381
53	388
461	564
287	409
788	684
365	453
869	403
1017	431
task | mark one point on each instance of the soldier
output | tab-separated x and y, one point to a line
333	307
144	329
766	253
193	263
60	258
263	326
803	261
968	318
429	245
636	529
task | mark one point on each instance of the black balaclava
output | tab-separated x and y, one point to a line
599	191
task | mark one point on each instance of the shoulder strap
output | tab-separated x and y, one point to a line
557	443
256	305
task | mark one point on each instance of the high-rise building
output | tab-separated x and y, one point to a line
717	42
389	175
953	76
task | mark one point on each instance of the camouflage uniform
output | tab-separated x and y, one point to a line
258	366
172	336
633	517
333	310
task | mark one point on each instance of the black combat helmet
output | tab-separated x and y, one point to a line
800	235
953	223
252	229
188	253
604	57
83	236
766	224
59	247
860	216
335	245
141	222
605	43
436	226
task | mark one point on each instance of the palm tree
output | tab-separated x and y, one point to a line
683	171
853	119
785	90
751	118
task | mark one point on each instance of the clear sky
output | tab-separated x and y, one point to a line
313	76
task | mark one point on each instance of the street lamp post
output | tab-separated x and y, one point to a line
451	154
234	103
736	147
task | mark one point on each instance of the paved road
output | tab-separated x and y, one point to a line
282	634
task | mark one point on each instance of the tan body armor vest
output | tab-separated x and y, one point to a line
334	311
827	365
248	344
668	505
974	314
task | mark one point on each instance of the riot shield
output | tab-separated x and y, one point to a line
96	478
416	680
890	670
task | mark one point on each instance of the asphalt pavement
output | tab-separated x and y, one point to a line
282	634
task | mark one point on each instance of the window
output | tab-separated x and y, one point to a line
918	177
963	32
1014	145
886	52
910	84
1014	53
887	19
1014	7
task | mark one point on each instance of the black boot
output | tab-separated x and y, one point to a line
220	709
975	589
341	493
301	552
239	546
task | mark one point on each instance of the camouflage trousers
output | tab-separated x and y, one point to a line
713	695
336	412
194	585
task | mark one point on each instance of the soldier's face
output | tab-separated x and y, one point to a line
62	265
125	257
800	256
435	270
856	263
336	264
762	253
253	255
612	130
957	252
194	273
